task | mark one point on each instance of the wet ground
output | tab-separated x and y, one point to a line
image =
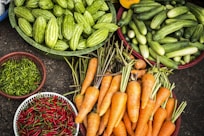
189	85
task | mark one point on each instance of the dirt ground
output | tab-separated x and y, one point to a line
189	85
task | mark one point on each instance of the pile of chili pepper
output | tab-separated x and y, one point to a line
47	116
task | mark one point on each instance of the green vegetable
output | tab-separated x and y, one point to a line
25	26
39	27
19	77
24	13
182	52
51	32
176	11
172	27
140	38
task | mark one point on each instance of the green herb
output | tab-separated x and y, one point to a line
19	76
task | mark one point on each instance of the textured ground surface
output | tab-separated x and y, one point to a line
189	85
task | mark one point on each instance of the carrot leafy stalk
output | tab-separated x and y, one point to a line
169	126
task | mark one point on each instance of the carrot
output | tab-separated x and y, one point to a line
118	102
138	72
159	118
93	124
133	102
162	94
149	130
121	116
145	130
144	117
128	124
168	127
140	64
90	98
148	81
104	122
78	99
114	87
90	74
134	124
170	107
105	84
120	130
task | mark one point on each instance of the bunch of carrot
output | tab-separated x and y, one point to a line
134	100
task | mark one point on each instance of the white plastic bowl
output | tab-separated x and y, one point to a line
42	94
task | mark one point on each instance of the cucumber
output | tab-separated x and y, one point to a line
182	52
172	27
140	38
169	47
164	60
150	14
176	11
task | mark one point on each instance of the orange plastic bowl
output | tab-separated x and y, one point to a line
36	60
138	55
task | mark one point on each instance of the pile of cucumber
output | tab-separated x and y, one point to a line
65	25
170	31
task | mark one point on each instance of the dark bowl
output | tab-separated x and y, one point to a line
138	55
36	60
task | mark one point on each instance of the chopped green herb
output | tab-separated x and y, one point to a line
19	76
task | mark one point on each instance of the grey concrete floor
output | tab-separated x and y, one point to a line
189	85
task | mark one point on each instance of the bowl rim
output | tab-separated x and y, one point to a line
138	55
42	94
50	51
35	60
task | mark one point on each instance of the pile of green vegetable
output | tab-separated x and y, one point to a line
171	31
65	24
19	77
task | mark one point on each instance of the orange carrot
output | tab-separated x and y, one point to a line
104	122
93	124
114	87
159	118
133	102
78	100
140	64
170	107
120	130
138	72
90	74
168	127
128	124
90	98
144	117
121	116
105	84
145	130
162	95
148	81
134	124
118	102
149	130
